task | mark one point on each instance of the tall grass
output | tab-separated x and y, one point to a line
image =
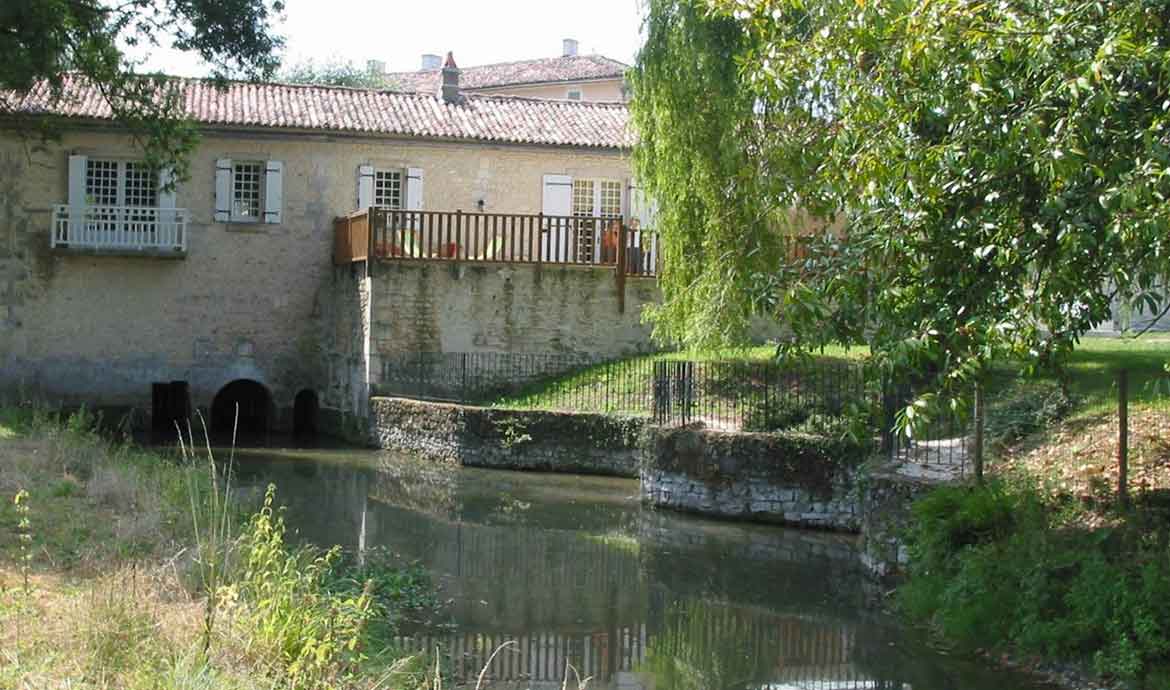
209	600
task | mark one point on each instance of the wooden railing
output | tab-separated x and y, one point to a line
351	238
119	228
395	235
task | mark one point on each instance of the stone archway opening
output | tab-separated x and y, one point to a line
249	399
305	408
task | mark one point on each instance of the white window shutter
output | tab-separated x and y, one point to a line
365	187
77	181
77	200
223	190
166	188
558	195
557	200
414	189
273	191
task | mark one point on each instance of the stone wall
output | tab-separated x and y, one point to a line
783	478
507	439
507	308
345	347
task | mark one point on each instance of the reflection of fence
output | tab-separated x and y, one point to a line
537	657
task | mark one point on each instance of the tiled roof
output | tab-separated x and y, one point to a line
542	71
482	118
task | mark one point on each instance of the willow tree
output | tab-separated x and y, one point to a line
999	170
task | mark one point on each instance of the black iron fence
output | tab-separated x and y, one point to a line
820	396
731	395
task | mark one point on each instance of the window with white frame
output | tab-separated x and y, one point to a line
120	183
597	198
609	199
247	183
388	188
583	198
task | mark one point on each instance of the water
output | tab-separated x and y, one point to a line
576	572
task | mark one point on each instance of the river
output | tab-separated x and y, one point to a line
575	571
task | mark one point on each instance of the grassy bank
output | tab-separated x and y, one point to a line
1044	563
123	568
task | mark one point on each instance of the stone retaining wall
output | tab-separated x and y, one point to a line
783	478
508	439
779	478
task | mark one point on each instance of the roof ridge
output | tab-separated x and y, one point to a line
538	99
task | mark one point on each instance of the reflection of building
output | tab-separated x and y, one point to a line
712	607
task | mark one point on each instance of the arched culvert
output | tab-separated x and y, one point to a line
305	407
249	399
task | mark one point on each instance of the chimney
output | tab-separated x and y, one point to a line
570	47
376	67
449	86
431	61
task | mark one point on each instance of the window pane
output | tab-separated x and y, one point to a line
246	179
583	197
611	199
141	185
101	182
388	188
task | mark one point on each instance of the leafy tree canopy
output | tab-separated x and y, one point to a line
991	173
51	41
334	72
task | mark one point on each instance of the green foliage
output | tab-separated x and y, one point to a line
335	72
282	605
696	124
50	40
396	593
1023	408
998	171
991	568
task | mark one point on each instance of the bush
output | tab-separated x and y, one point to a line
1023	408
989	568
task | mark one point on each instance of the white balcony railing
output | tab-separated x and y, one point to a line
120	228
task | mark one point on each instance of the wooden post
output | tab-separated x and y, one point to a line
620	269
977	450
1123	437
371	238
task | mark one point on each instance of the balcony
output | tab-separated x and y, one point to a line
394	235
120	230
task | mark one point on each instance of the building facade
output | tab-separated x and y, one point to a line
121	290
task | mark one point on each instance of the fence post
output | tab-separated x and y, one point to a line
463	383
620	269
661	392
977	451
1123	437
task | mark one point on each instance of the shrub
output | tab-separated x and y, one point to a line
990	568
1023	408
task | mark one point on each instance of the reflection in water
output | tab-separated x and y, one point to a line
574	572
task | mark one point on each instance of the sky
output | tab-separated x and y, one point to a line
477	31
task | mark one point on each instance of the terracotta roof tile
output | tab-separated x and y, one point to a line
483	118
540	71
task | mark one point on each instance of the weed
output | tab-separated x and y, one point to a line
513	432
283	610
24	538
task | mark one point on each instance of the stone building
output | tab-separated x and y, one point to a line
571	76
120	290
